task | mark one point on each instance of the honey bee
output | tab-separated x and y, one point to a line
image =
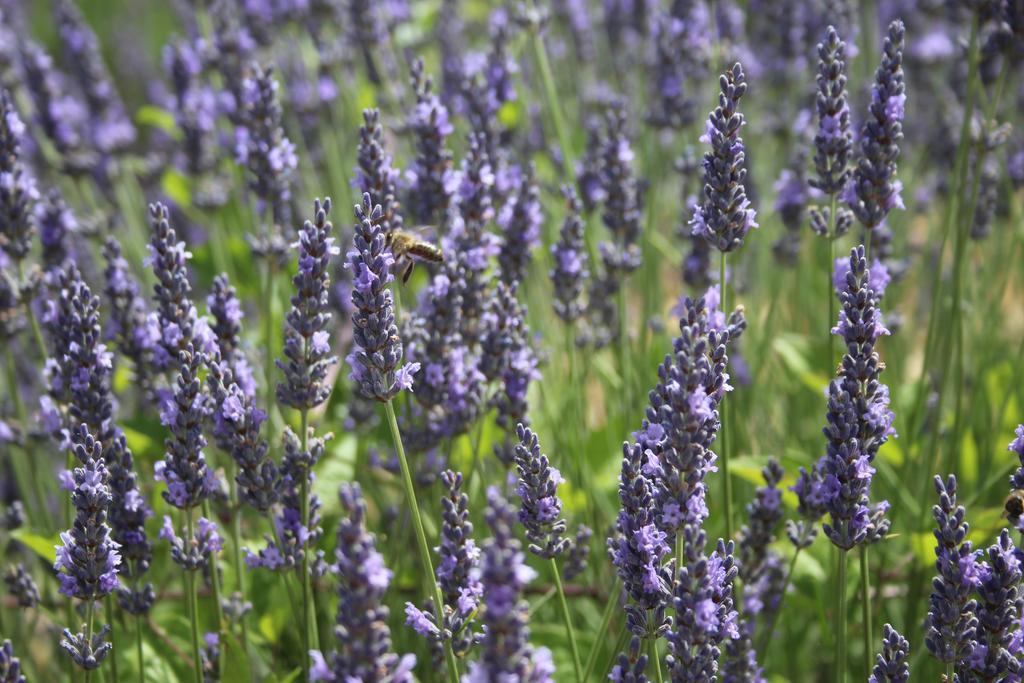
1013	507
408	248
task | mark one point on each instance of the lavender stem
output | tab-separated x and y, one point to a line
865	588
568	620
421	536
841	620
193	604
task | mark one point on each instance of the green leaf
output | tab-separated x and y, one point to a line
337	467
176	186
43	546
235	665
157	117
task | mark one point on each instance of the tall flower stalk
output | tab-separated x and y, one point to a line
724	216
308	357
375	358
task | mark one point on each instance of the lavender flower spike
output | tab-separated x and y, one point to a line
88	559
183	468
307	343
724	217
621	206
506	651
833	142
541	507
630	667
874	190
570	271
998	612
951	624
10	666
364	640
18	191
377	348
892	664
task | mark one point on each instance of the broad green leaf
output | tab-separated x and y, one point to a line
176	186
158	117
43	546
235	665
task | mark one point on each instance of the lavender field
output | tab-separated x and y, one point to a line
481	342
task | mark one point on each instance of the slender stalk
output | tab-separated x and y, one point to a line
108	604
656	661
724	430
865	589
37	334
236	547
22	463
564	605
421	536
307	591
766	638
269	294
950	671
606	620
841	619
138	649
90	610
214	575
193	604
553	101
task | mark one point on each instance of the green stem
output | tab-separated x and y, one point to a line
307	589
606	620
553	102
421	536
723	430
90	613
236	546
656	660
214	576
108	603
950	671
193	603
841	619
564	605
865	589
138	649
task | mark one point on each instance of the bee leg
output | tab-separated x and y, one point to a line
407	272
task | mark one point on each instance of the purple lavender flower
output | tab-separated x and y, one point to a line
195	107
262	147
671	104
368	32
859	420
541	507
18	191
10	666
129	324
375	173
630	667
621	214
682	420
951	624
833	142
506	653
998	613
197	551
363	638
469	241
111	129
88	559
184	470
520	222
307	345
506	355
56	223
638	547
457	571
705	617
59	114
377	347
223	304
570	271
22	587
725	216
892	664
236	430
431	179
80	366
578	554
293	538
179	323
1017	478
873	189
588	168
